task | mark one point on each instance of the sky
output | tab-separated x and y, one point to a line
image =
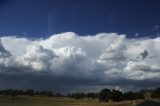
79	45
42	18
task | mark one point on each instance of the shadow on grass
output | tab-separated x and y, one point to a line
149	103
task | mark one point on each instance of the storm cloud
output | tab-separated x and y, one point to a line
67	61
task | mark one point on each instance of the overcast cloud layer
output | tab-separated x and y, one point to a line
68	62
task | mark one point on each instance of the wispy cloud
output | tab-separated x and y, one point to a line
156	27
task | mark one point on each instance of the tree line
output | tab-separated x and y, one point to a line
28	92
104	95
116	95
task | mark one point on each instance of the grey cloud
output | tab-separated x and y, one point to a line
144	54
3	51
43	81
115	51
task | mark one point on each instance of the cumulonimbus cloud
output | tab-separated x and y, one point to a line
67	59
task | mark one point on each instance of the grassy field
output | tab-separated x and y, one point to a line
57	101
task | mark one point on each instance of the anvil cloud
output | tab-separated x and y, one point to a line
69	61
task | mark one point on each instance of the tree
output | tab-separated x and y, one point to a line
20	92
49	93
92	95
105	95
29	92
117	95
58	94
78	95
130	95
14	93
42	93
156	93
68	95
37	93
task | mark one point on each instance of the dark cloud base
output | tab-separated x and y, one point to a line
64	84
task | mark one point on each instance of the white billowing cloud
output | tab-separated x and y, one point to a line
69	51
37	57
115	51
142	70
104	58
17	46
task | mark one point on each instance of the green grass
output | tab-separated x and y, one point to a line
57	101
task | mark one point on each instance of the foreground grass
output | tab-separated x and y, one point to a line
58	101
